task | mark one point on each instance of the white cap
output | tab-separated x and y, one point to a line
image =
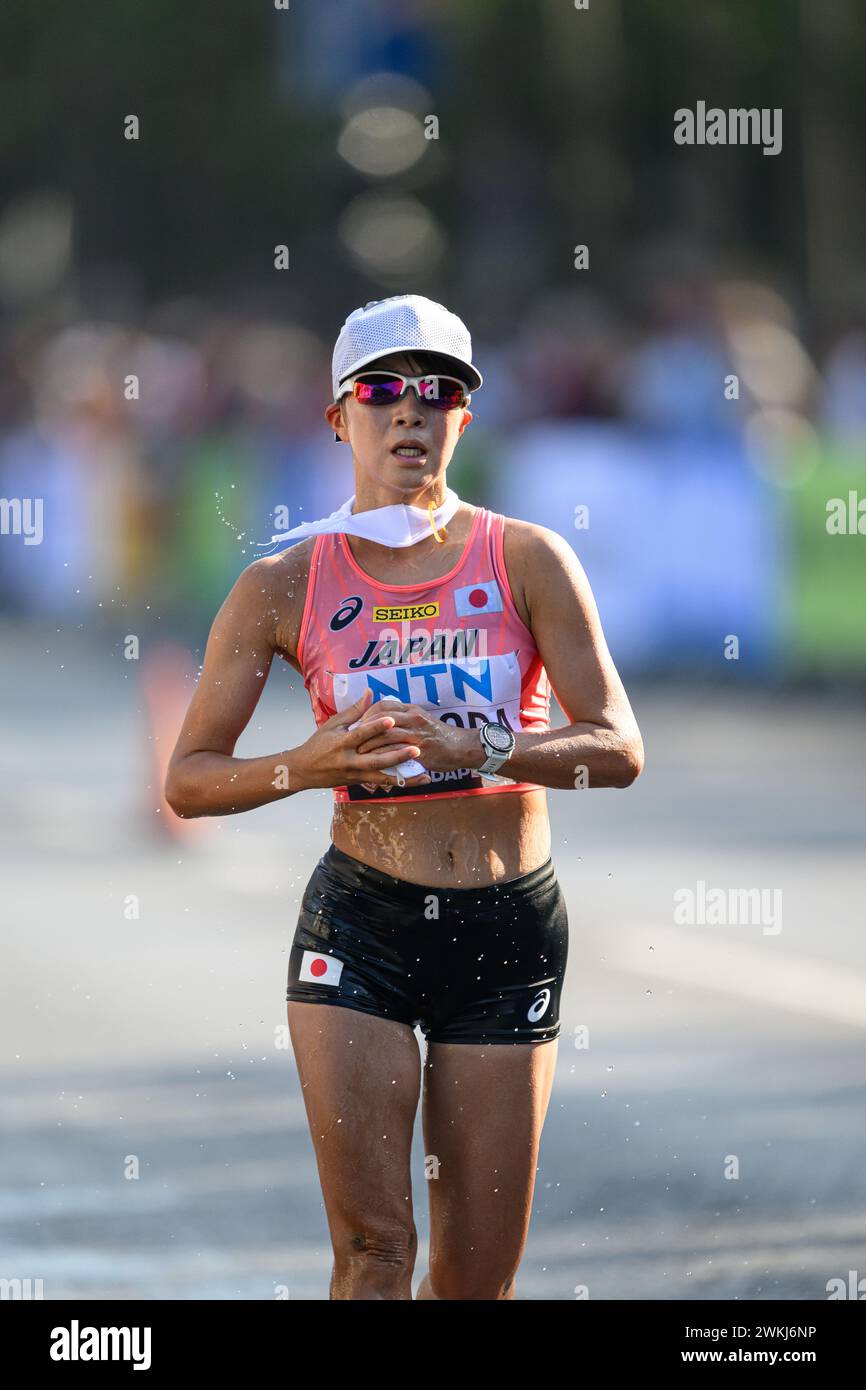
403	323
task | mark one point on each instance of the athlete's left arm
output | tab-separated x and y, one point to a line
601	746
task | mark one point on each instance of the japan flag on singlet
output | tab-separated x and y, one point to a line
478	598
319	969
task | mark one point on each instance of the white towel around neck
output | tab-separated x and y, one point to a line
394	526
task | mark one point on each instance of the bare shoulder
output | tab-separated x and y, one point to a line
286	576
534	556
268	597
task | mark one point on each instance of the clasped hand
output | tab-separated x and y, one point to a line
443	747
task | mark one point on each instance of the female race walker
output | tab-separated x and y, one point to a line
437	903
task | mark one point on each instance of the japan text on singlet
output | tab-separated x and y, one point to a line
455	646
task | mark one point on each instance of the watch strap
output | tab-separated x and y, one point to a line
494	759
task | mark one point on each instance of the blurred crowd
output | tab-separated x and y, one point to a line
162	448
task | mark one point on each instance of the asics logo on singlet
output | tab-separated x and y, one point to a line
346	613
539	1006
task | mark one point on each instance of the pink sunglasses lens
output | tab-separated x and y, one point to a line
442	392
378	390
445	392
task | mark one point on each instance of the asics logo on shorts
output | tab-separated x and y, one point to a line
539	1006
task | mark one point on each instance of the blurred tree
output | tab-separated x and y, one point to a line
556	127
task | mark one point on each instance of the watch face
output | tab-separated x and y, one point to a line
498	737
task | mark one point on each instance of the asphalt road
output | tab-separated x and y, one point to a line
160	1036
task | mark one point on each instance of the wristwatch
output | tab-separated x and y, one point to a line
498	742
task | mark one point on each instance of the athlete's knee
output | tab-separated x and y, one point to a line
471	1283
382	1249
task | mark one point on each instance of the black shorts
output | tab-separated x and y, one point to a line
470	965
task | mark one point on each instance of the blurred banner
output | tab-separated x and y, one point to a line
682	542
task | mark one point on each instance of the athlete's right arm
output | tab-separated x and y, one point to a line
204	778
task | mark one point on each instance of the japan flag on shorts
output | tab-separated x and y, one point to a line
478	598
319	969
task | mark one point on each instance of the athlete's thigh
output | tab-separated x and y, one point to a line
360	1078
482	1112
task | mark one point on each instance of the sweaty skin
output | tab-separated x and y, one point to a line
438	841
455	842
463	841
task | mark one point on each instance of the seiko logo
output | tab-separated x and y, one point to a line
406	612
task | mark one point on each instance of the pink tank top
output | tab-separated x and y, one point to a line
454	646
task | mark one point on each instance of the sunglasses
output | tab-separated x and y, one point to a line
381	388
